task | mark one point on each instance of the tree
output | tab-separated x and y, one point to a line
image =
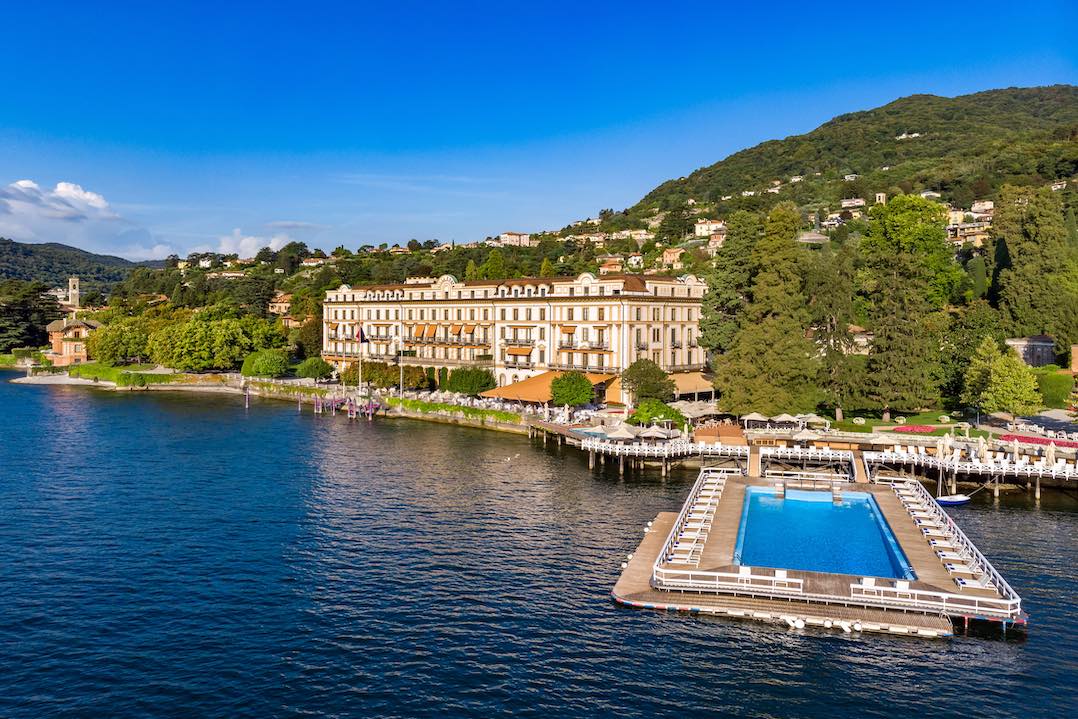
1012	387
909	272
651	411
470	380
546	269
646	380
1037	270
314	368
729	282
676	225
967	327
571	388
979	371
307	338
25	310
771	366
829	286
494	267
266	363
119	342
471	272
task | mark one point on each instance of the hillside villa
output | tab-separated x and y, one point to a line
67	340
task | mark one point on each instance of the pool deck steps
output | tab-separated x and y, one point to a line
633	589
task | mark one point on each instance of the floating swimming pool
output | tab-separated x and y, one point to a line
811	532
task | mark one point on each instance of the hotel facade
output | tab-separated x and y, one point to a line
519	328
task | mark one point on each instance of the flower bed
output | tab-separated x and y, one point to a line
1040	440
914	429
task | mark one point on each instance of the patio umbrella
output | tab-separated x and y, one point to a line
941	448
1014	449
982	449
784	418
1050	454
654	432
754	417
805	436
621	433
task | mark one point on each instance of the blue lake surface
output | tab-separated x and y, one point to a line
165	554
809	531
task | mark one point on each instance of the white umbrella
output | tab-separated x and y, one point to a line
1014	449
982	449
784	418
654	432
754	417
1050	454
941	448
621	433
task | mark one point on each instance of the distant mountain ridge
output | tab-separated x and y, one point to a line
965	147
53	263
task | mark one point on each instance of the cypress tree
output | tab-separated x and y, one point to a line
829	287
771	366
729	282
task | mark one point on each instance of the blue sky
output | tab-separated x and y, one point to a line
143	129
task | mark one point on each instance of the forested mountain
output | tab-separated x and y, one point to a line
964	147
52	263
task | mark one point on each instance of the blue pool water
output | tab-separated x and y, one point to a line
810	532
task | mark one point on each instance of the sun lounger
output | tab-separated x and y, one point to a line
952	556
941	544
960	569
977	583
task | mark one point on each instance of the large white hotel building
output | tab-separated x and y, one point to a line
520	328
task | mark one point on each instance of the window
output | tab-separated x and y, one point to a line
542	314
639	316
409	314
503	314
471	314
528	314
516	314
602	314
569	313
584	314
655	335
656	315
542	356
486	315
542	333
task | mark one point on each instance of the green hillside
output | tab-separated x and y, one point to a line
52	263
967	148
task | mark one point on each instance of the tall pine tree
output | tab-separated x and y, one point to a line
729	282
771	366
829	287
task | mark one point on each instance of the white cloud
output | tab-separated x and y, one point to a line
72	215
248	245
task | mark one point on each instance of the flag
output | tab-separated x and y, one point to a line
361	337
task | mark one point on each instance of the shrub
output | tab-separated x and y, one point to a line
470	380
652	410
1055	387
646	380
267	363
314	368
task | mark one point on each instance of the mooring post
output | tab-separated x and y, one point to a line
995	487
621	465
591	459
1037	494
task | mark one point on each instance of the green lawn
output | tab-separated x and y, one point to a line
872	421
7	360
111	373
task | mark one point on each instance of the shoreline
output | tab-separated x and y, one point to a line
289	394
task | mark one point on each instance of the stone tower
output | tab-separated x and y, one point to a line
73	291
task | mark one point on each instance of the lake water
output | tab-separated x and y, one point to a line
176	555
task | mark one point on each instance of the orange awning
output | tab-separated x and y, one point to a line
455	329
468	329
334	325
519	351
419	330
431	329
537	388
568	329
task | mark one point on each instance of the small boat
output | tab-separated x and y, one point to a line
953	500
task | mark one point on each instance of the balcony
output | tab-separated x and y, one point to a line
518	342
519	365
685	367
594	346
446	362
641	346
675	344
564	345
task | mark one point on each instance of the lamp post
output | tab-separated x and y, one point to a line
400	366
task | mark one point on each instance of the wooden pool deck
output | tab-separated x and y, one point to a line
636	587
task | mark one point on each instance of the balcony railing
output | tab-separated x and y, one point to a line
519	365
446	361
641	346
518	341
675	344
